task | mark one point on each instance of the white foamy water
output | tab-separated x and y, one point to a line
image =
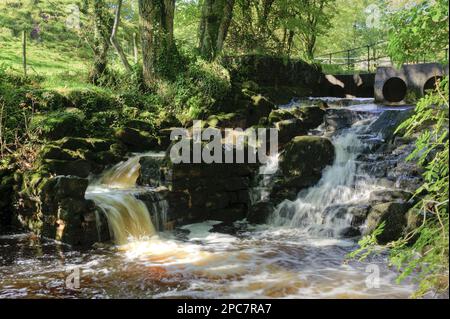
313	211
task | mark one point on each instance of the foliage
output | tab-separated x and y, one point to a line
423	252
419	32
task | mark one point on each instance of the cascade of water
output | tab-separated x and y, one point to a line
128	217
261	192
317	209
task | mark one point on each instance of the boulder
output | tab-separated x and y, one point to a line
259	108
350	232
336	119
311	117
288	129
388	122
280	115
136	141
307	156
260	212
57	153
394	216
56	125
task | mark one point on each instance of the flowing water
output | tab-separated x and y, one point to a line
299	254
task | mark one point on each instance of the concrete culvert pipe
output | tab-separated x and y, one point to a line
431	84
394	90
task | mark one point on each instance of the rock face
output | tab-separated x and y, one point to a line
55	207
394	216
6	191
214	191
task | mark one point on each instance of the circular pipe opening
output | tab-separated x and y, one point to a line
431	84
394	90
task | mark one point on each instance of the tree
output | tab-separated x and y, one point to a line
214	24
102	29
113	38
308	19
157	41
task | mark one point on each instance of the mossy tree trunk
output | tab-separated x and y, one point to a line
214	24
102	30
156	25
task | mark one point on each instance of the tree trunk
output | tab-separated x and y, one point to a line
214	24
102	23
114	41
156	24
135	48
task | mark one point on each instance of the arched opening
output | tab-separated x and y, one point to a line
431	84
394	90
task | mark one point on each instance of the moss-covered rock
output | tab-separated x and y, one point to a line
228	120
56	125
307	156
311	117
80	168
280	115
57	153
136	141
288	129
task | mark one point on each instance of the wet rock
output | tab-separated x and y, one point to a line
387	123
136	141
288	129
382	196
337	119
393	214
311	117
307	156
260	212
359	214
350	232
225	228
150	173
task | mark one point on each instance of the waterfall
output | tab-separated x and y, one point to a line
318	209
114	193
267	172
